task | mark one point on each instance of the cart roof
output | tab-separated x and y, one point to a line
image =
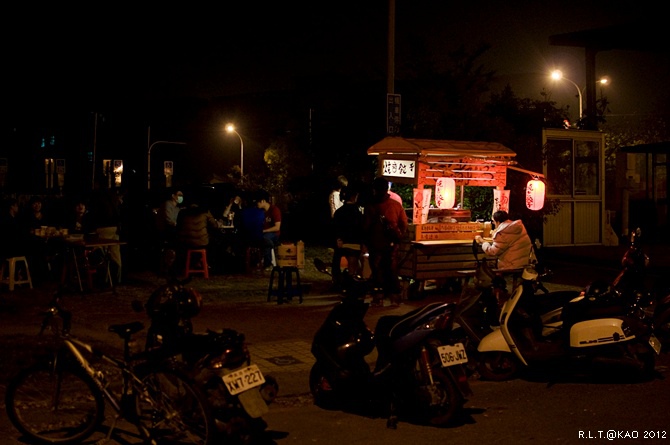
438	147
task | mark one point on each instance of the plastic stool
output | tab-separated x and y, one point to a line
285	288
190	258
11	279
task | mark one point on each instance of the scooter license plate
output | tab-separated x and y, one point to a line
655	344
452	354
243	379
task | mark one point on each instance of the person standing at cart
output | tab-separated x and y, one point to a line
347	225
334	199
384	225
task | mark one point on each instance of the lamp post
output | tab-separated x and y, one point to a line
558	75
230	128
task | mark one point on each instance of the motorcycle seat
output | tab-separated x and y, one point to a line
543	303
588	310
395	326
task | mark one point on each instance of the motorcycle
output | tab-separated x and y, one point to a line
418	374
217	361
479	303
628	291
594	331
630	285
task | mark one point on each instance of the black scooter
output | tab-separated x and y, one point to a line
418	375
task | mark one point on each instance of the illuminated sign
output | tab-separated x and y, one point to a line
399	168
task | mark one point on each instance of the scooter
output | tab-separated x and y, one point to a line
479	302
217	361
594	332
418	374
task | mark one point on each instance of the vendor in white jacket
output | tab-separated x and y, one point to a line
511	243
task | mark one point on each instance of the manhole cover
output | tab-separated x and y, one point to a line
284	360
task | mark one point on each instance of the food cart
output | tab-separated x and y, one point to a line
439	241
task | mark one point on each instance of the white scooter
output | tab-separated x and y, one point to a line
592	331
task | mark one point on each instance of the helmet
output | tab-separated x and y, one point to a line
172	302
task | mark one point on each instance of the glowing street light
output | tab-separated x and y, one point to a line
230	128
558	75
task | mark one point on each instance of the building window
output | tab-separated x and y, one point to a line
559	167
587	177
573	167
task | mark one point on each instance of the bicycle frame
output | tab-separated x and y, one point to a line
98	376
159	401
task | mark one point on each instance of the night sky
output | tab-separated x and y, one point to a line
87	57
186	50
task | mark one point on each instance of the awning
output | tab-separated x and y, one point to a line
437	147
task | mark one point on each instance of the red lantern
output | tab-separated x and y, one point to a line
535	194
445	193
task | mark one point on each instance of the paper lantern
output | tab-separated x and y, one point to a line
535	194
445	193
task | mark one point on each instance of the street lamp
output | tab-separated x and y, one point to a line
230	128
558	75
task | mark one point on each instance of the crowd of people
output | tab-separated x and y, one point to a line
24	226
366	227
248	220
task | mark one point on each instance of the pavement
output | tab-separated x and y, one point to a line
279	336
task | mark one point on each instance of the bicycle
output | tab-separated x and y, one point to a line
61	400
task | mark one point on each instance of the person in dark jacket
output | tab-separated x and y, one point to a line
13	237
384	226
193	226
34	216
348	233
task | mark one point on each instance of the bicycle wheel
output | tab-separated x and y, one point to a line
172	411
54	406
